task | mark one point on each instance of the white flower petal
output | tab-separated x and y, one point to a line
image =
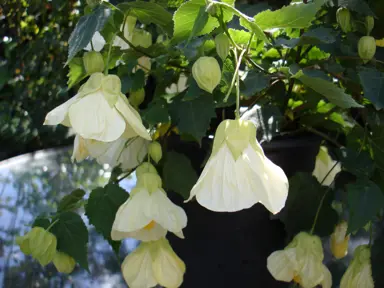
118	42
165	212
98	42
92	118
130	216
323	165
168	268
137	268
280	265
273	191
133	120
364	277
226	184
80	151
147	234
59	114
311	271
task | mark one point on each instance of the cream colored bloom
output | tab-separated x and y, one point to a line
98	43
99	111
359	272
148	214
300	261
339	240
127	29
151	264
178	87
80	151
129	152
324	163
238	174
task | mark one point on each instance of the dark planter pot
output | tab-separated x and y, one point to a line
231	249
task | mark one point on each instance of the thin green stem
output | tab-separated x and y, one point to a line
249	43
126	175
322	198
323	135
225	28
108	58
52	224
121	35
238	62
237	112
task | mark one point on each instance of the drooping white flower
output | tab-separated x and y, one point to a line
238	174
339	240
99	111
151	264
178	87
359	272
129	152
323	165
80	151
148	214
98	43
300	261
127	29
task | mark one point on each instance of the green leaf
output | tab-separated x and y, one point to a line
359	6
254	83
187	14
84	30
156	112
193	91
149	12
4	74
315	36
138	80
102	206
334	94
377	260
72	237
41	222
193	117
305	194
178	174
372	81
200	22
358	163
376	121
69	201
293	16
365	200
76	71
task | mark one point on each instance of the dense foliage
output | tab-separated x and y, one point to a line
311	67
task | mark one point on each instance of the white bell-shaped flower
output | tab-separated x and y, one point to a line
148	214
99	111
359	272
238	174
129	153
300	261
178	87
127	28
98	43
323	166
151	264
80	151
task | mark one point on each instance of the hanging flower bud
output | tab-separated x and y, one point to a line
323	166
145	167
367	48
206	71
141	38
340	240
155	151
343	17
64	263
42	244
23	243
370	24
152	264
301	262
359	272
222	45
137	97
238	174
93	62
99	111
148	214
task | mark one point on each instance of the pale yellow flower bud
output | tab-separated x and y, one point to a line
137	97
155	151
93	62
207	73
325	170
367	48
222	45
370	24
64	263
339	241
145	167
343	17
23	242
42	244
